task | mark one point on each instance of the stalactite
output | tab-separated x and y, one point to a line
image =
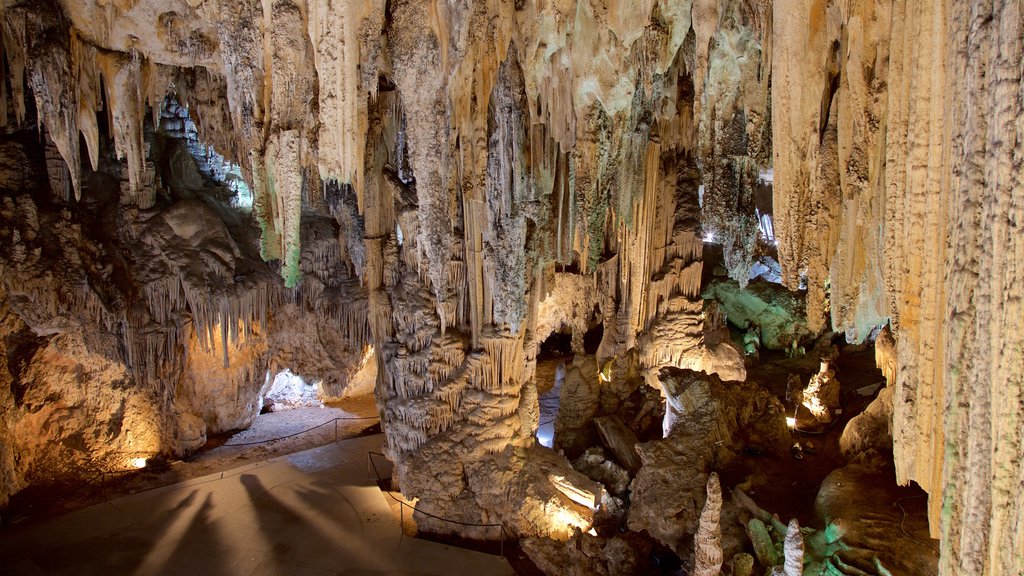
284	180
339	32
122	80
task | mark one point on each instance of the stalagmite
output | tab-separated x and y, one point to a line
793	550
459	186
707	543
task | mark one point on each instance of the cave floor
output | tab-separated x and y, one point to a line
302	429
312	512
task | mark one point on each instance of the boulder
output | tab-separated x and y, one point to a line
777	312
586	555
596	465
879	518
620	440
871	429
708	422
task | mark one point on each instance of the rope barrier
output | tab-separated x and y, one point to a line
91	476
402	504
331	421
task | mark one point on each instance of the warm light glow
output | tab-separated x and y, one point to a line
367	355
578	495
791	422
138	463
562	518
709	237
592	532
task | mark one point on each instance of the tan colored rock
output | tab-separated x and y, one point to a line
620	440
871	429
793	550
821	396
880	517
707	543
488	144
596	466
917	125
586	555
534	492
713	420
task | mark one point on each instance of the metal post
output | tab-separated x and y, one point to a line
335	430
401	517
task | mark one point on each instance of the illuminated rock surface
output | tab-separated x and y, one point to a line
437	188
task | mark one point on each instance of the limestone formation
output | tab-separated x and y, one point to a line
776	313
788	550
598	467
711	422
821	396
707	542
742	564
903	200
793	550
871	429
585	555
196	193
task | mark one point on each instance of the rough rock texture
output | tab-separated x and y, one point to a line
793	550
584	555
679	338
873	515
598	467
821	395
537	490
785	550
711	421
476	160
871	429
707	543
775	312
133	333
426	174
902	189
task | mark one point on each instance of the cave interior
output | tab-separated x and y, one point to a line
604	287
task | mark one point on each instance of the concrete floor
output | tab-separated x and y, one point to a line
310	513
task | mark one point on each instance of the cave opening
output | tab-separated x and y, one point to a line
553	354
594	334
187	163
556	346
289	390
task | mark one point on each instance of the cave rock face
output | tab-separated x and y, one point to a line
450	183
707	422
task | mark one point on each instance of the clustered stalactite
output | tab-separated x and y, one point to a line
431	178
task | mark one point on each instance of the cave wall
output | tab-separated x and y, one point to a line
428	174
137	332
902	190
442	139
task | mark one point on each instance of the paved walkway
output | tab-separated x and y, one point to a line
309	513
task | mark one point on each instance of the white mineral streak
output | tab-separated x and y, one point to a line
793	549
